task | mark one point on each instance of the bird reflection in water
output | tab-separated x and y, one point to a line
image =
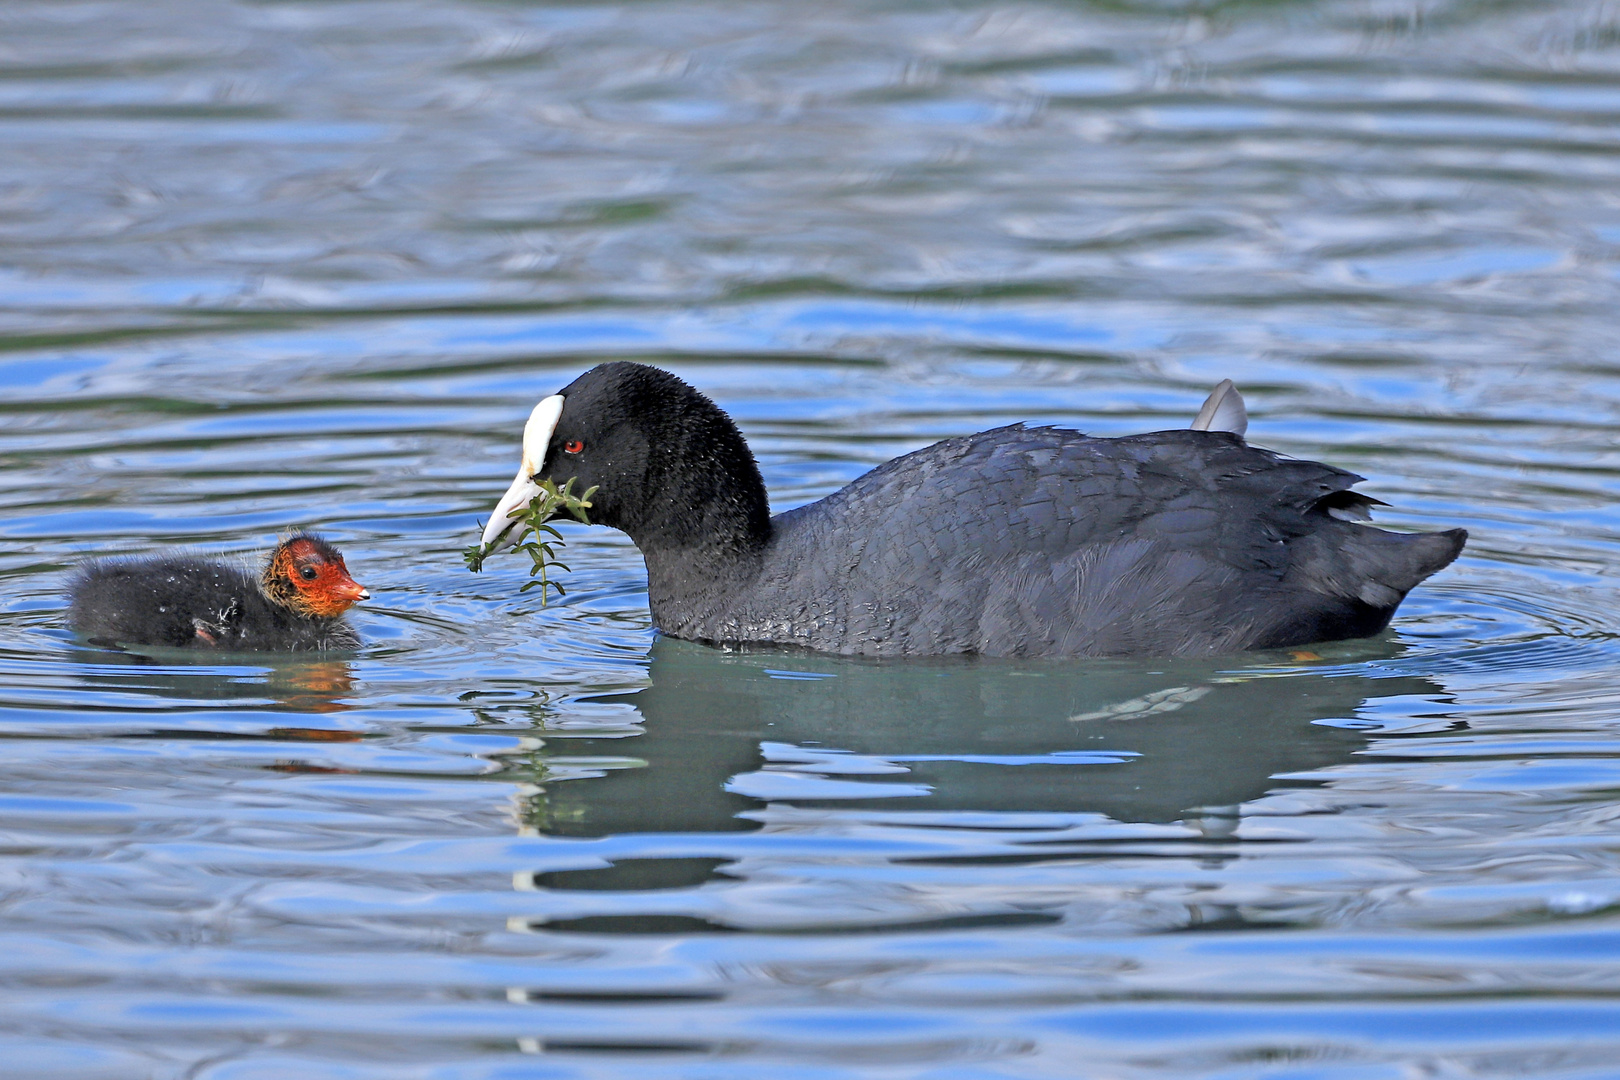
308	686
317	687
311	686
739	741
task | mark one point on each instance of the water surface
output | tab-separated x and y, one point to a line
295	264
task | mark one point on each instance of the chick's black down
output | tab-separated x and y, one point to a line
188	602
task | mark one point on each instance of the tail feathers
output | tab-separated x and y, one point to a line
1363	563
1223	411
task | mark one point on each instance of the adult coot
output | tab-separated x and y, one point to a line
1013	542
296	604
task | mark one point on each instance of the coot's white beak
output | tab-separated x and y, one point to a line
502	531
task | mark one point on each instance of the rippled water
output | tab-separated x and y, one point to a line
284	264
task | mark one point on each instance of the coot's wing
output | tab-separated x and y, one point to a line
1047	542
1015	490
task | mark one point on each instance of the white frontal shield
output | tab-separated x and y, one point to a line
501	530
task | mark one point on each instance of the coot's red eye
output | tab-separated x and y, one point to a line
573	446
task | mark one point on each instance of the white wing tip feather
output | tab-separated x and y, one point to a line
1223	411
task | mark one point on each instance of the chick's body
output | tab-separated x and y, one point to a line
295	605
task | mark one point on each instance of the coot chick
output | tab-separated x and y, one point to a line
1017	541
295	605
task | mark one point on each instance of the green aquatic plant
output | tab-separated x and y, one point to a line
551	502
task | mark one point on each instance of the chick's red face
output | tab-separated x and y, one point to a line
319	579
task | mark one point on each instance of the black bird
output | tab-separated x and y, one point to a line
295	605
1012	542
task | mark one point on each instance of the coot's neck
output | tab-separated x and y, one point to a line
699	512
687	590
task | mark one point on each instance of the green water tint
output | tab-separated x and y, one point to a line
550	503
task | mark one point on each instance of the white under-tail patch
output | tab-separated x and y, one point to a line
1223	411
1351	506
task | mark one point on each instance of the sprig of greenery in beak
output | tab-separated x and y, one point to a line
549	503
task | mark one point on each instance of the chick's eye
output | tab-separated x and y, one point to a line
308	573
573	446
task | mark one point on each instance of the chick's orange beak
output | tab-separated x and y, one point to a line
348	590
